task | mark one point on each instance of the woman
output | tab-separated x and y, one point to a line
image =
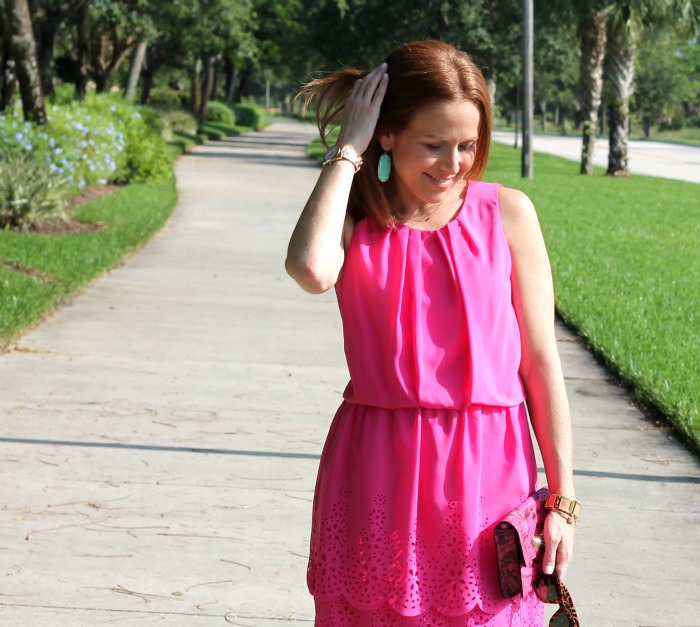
445	291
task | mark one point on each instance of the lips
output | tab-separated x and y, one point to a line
439	181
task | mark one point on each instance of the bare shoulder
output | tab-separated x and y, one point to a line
518	216
515	205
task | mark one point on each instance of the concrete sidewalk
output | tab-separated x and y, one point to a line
647	157
161	433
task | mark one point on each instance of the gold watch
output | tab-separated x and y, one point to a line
567	507
338	153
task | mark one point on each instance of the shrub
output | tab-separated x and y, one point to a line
251	115
163	98
63	94
142	156
152	120
30	191
221	113
675	123
177	121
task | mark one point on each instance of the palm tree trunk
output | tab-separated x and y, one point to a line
621	55
27	68
593	39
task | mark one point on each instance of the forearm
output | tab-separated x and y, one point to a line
315	252
549	413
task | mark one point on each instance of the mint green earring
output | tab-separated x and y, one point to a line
384	167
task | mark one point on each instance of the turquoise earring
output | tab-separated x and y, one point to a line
384	167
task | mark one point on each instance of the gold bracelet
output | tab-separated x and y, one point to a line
569	519
568	508
342	153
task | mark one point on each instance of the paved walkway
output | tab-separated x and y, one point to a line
651	158
160	434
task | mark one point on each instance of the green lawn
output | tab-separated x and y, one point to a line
38	272
627	273
626	267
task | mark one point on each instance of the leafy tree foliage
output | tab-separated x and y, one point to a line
667	82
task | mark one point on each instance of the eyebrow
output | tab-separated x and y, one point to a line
439	137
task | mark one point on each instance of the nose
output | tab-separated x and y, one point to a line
450	161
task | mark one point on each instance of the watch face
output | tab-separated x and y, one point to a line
332	152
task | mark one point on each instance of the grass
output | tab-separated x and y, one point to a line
39	272
626	265
625	262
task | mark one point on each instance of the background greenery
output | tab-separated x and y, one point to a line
231	50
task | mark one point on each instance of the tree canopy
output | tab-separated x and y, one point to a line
230	48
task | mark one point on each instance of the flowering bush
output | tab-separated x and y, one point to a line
102	140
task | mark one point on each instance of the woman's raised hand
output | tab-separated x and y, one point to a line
362	110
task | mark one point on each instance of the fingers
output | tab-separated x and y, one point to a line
374	82
362	109
559	542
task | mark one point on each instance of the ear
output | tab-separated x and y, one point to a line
386	141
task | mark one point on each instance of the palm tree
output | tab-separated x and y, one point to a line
590	19
626	22
593	35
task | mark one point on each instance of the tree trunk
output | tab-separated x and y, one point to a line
244	83
82	57
24	53
147	75
621	55
195	85
543	110
135	71
215	82
491	86
47	19
231	91
46	31
107	54
8	80
206	91
593	39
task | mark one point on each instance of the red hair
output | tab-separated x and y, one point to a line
420	73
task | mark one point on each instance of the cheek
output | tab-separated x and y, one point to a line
468	162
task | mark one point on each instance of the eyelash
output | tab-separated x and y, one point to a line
463	147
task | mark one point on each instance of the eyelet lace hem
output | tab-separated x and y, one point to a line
528	612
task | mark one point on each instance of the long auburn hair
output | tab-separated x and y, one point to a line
420	73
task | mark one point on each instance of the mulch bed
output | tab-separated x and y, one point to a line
71	225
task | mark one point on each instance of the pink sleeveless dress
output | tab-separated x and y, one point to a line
431	445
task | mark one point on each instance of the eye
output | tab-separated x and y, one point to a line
432	146
467	147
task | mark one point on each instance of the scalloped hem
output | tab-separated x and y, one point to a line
340	613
